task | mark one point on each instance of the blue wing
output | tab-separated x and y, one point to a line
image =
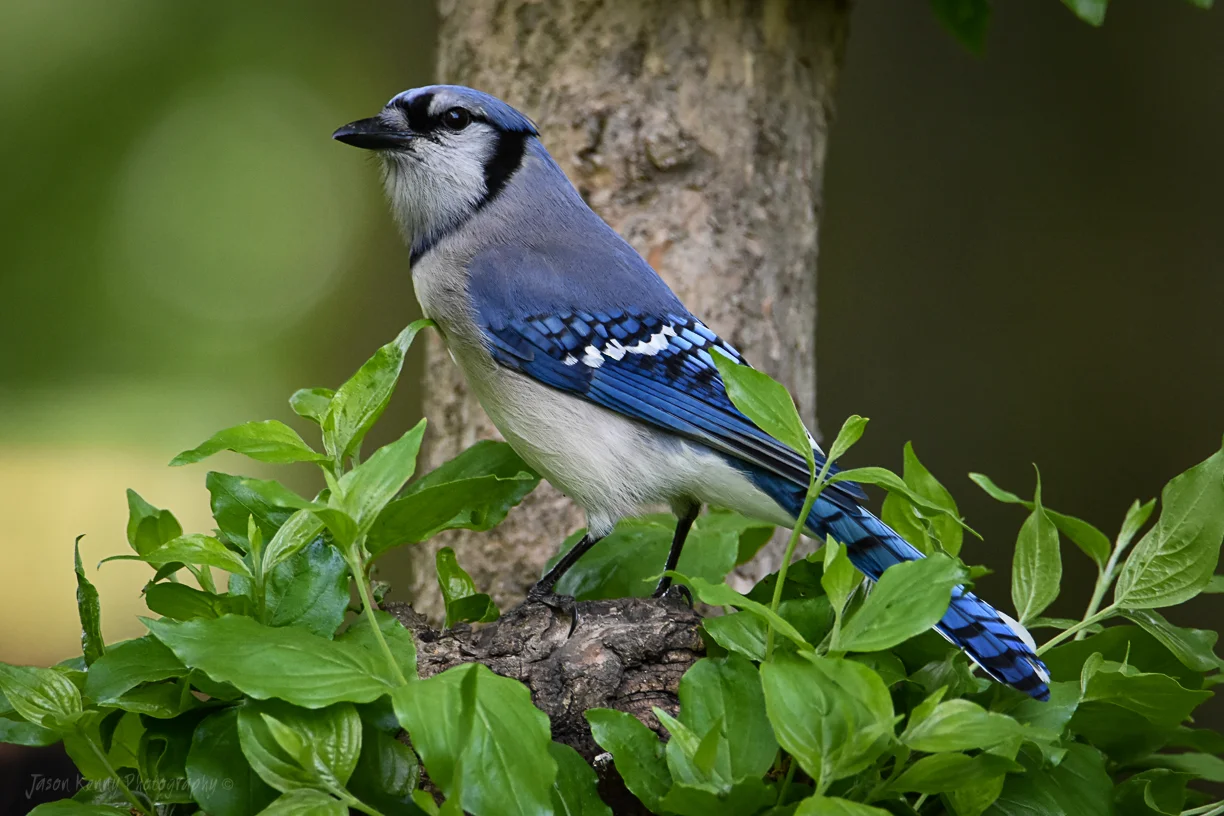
655	368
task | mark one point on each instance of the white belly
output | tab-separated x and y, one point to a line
610	465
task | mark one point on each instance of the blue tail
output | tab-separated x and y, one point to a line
997	643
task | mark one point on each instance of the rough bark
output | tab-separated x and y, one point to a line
697	129
627	654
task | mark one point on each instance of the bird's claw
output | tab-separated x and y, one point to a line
674	591
564	604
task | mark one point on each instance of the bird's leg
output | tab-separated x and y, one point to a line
686	516
542	591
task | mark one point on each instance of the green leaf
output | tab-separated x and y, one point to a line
1037	564
691	757
851	431
725	693
746	796
340	524
473	491
1050	716
1193	647
267	441
161	757
479	733
1078	786
886	664
921	481
43	696
298	530
1136	516
222	781
399	640
305	802
367	488
311	403
575	792
744	633
767	403
293	748
834	716
1203	766
723	595
1089	539
1200	739
959	725
89	609
359	403
946	772
196	548
126	665
1129	644
908	522
839	579
627	563
457	586
1157	697
893	483
16	731
1091	12
1158	791
183	602
387	771
287	662
1175	559
967	20
908	599
637	752
1215	586
235	499
310	590
832	806
148	528
91	729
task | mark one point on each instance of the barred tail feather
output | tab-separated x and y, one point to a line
999	644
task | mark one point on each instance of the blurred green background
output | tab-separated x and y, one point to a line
1021	259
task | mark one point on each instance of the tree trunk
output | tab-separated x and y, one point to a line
697	129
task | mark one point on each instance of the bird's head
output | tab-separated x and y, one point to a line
446	152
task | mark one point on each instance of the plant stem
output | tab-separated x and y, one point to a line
352	801
203	576
786	780
918	804
1104	582
1206	810
1107	612
353	556
814	487
110	770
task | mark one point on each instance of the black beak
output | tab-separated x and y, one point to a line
372	134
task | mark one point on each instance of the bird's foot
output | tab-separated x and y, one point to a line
543	594
672	592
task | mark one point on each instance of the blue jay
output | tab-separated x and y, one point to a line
590	366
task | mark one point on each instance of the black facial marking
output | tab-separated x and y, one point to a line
507	157
416	110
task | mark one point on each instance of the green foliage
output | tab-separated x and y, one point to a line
819	696
967	20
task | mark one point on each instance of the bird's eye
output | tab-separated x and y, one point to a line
456	118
